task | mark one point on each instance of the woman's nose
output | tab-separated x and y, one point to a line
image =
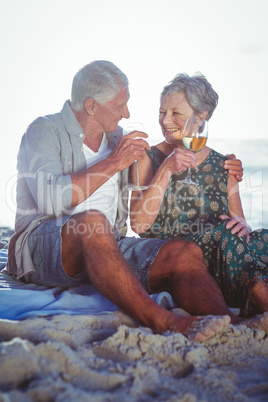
166	119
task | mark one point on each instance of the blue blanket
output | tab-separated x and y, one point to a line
20	300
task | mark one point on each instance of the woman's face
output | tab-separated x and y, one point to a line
173	113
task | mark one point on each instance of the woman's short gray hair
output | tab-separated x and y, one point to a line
100	80
198	92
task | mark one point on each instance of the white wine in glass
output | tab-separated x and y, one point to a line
194	139
128	128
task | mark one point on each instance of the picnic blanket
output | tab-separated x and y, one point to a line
20	300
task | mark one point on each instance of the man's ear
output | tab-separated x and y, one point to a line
90	106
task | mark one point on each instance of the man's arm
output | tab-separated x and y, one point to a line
40	165
237	224
234	167
126	152
54	189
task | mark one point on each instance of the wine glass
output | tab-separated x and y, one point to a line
128	128
195	134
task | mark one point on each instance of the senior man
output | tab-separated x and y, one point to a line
72	210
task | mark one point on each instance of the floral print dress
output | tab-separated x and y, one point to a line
191	213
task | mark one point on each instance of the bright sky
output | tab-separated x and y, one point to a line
45	42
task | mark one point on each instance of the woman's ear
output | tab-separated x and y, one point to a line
90	106
203	115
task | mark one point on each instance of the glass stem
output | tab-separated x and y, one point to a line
188	178
136	173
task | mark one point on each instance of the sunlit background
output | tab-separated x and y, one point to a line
45	42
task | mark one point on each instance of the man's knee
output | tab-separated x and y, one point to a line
91	217
81	232
87	224
193	250
184	254
188	248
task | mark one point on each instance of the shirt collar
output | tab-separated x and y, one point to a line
70	121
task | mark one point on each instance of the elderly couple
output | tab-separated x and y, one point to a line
72	209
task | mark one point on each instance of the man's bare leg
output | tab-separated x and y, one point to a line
180	270
179	264
97	250
259	296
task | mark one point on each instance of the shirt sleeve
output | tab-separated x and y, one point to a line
41	164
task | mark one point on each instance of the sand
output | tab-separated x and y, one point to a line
112	358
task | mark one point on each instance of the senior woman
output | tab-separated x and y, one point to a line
209	213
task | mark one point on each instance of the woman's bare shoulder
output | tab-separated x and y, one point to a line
164	147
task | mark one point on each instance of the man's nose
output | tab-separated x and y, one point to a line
125	113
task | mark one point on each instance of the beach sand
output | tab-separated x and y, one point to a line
111	357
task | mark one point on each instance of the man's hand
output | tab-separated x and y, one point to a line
234	167
129	149
237	225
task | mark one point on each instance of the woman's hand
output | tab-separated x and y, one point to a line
237	225
179	161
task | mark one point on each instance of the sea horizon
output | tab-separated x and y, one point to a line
253	188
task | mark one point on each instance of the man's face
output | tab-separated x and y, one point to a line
110	113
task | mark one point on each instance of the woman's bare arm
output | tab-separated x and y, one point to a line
145	205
